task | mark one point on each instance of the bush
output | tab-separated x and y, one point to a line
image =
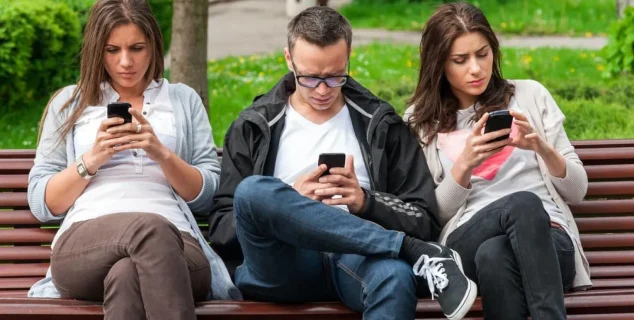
620	49
162	10
38	41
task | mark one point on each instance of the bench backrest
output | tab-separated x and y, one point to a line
605	218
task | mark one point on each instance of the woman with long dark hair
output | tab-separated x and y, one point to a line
127	192
502	194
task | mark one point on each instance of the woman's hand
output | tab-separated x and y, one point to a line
139	135
526	137
478	148
102	150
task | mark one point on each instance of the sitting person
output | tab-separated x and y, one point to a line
501	202
127	191
353	235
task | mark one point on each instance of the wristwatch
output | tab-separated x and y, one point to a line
83	170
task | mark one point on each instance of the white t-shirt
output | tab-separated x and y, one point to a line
130	181
302	141
511	170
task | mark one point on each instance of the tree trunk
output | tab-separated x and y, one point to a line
621	5
322	2
188	49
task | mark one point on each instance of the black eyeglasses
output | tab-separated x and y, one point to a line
314	82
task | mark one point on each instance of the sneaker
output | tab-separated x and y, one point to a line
447	281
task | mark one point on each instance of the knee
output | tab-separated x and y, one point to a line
250	190
492	255
121	277
527	207
155	224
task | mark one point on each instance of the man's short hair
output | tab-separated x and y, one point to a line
320	26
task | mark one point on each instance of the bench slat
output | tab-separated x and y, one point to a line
618	240
603	207
612	271
18	283
17	217
611	143
614	283
13	199
23	270
626	153
30	235
610	257
25	253
605	224
611	188
610	171
13	181
15	166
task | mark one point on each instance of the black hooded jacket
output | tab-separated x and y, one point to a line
402	196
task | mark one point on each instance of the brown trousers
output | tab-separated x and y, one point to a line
138	264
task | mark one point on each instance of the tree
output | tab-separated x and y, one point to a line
188	49
621	5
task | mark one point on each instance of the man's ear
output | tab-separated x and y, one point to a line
287	57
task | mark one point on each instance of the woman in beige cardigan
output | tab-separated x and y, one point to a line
502	203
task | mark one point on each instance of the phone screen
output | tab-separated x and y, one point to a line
120	109
498	120
332	160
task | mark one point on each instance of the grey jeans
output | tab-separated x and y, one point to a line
138	264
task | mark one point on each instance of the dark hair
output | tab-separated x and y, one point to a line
104	16
321	26
435	105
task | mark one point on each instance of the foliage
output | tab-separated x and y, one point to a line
620	49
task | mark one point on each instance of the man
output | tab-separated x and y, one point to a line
352	235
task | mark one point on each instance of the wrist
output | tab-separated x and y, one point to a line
545	150
165	155
90	163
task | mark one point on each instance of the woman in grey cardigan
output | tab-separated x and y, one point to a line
127	192
502	202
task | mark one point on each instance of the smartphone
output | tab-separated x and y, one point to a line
332	160
498	120
120	109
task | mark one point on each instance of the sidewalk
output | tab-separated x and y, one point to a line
249	27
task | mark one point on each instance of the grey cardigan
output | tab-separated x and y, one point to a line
547	119
195	145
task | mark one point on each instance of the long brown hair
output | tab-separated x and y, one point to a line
435	105
104	16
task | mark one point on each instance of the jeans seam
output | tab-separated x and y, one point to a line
356	277
60	256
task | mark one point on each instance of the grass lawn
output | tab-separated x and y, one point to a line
535	17
596	108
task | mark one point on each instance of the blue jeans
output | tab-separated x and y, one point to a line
300	250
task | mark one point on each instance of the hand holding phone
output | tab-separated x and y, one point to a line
120	109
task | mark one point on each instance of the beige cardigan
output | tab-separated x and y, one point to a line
547	119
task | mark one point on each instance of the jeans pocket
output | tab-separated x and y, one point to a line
566	255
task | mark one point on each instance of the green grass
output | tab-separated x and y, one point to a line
534	17
596	108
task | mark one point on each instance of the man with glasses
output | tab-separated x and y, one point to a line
355	234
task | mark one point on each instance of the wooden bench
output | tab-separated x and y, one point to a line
605	218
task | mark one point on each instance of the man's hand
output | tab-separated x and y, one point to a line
345	184
307	184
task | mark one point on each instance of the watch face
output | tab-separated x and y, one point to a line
81	169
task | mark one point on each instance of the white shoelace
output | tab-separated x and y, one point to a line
432	270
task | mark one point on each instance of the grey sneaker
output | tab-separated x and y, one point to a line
447	282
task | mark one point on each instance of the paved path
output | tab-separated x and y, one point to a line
248	27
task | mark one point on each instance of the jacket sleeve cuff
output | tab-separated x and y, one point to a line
574	185
37	202
203	201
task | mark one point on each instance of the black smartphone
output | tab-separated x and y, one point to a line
120	109
498	120
332	160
